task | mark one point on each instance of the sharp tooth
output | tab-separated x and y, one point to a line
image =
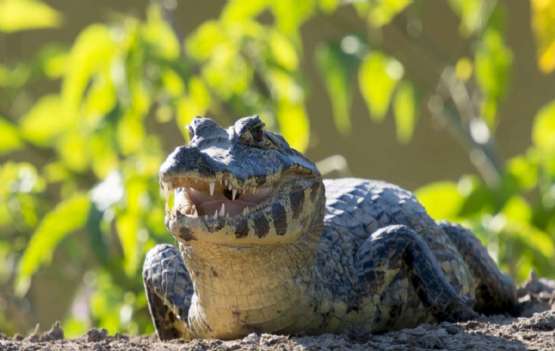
216	214
245	210
233	194
226	182
212	186
222	210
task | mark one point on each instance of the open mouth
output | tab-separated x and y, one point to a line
220	197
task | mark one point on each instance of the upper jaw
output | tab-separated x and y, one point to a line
202	198
196	211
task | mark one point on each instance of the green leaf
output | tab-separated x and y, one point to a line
543	132
103	152
291	14
160	35
227	73
68	216
194	103
518	216
473	14
543	17
378	75
45	121
17	15
238	10
130	133
524	170
9	137
93	51
404	107
381	12
204	41
293	124
101	98
73	150
328	6
442	200
337	70
283	51
128	223
128	227
493	62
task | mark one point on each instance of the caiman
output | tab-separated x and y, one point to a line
264	244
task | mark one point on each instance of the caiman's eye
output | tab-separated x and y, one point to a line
257	133
255	136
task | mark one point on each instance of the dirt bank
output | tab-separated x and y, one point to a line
534	330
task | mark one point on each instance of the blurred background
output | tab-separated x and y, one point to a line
451	99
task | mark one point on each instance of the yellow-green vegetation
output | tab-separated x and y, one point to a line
79	173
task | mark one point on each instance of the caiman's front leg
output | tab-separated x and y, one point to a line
169	290
397	255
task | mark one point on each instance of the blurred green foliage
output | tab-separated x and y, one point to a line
80	178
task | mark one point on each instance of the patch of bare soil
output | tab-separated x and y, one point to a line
533	330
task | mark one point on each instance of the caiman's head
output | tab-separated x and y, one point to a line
240	186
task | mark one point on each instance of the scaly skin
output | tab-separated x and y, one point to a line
293	253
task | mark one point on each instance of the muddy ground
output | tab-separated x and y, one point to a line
533	330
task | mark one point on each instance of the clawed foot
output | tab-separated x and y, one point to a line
460	311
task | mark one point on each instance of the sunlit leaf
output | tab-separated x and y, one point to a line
291	14
92	52
15	76
128	223
74	327
68	216
173	83
202	44
534	238
53	60
128	227
381	12
404	107
17	15
9	137
284	86
195	103
227	73
524	171
493	61
543	17
337	70
328	6
130	133
45	121
73	151
463	69
283	51
160	34
517	209
378	75
473	14
101	98
239	10
442	200
293	124
103	153
543	132
19	182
